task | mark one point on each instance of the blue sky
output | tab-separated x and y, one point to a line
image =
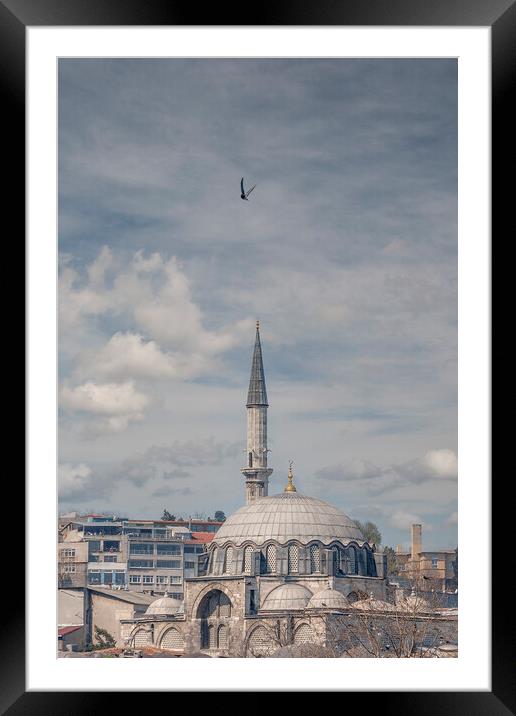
346	252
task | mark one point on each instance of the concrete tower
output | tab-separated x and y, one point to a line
256	471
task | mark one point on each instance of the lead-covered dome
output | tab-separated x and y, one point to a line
287	596
328	599
165	605
288	516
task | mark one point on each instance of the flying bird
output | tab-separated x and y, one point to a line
243	193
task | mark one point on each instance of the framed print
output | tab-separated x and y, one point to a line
346	283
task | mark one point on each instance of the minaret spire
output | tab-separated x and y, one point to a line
256	471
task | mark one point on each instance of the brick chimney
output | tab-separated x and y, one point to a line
416	542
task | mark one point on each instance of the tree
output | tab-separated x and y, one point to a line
105	640
220	516
167	516
392	562
370	532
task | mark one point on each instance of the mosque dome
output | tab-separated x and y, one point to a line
165	605
328	599
288	516
287	596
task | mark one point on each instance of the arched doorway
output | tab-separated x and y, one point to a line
214	611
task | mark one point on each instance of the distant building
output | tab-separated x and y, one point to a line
142	555
434	569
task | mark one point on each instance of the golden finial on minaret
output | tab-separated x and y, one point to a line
290	487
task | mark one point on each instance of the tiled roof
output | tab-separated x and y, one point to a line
62	631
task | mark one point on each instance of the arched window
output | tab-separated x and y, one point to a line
172	639
228	561
336	560
248	554
303	635
293	558
353	562
141	638
315	558
223	637
212	636
270	559
260	643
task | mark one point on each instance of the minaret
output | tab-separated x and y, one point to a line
256	471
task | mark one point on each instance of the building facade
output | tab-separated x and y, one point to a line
144	556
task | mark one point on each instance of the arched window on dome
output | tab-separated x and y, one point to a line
228	561
270	559
336	555
353	562
315	558
293	559
248	556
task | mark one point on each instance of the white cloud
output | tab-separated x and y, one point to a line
128	355
73	480
442	463
117	403
155	296
402	520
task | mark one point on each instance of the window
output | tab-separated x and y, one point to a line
177	595
68	553
169	564
293	558
94	577
191	550
252	601
69	568
315	558
141	548
110	558
176	580
111	546
248	554
108	577
119	577
93	546
435	563
228	561
189	565
135	579
141	563
93	558
270	559
148	579
353	562
160	579
336	560
168	549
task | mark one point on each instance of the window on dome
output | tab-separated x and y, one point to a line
353	562
270	559
228	561
315	558
336	560
293	558
248	554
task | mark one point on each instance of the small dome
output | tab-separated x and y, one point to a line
287	597
288	516
328	599
165	605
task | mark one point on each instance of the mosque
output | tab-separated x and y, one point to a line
277	572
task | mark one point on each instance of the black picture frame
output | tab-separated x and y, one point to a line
500	16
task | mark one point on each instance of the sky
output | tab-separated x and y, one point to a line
346	252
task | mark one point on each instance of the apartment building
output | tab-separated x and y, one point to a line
437	568
141	555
